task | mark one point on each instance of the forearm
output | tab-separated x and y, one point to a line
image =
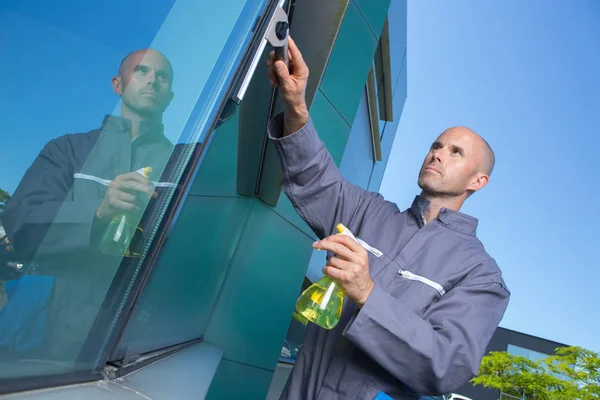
294	118
312	181
434	353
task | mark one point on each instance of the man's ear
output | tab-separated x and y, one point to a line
478	182
117	85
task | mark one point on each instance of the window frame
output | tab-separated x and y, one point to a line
379	91
383	70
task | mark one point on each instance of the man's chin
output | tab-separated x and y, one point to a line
428	188
149	112
425	186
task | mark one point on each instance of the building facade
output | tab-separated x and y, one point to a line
199	304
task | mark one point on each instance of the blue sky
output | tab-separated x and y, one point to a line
526	76
60	58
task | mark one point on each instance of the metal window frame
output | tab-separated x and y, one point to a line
373	115
383	67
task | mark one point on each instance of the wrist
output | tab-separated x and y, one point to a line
101	213
294	118
364	299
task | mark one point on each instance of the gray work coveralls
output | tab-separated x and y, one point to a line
50	220
438	295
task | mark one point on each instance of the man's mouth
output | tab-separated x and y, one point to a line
433	169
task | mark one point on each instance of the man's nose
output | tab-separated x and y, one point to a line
151	78
438	156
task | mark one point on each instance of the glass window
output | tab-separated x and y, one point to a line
108	102
185	283
527	353
517	351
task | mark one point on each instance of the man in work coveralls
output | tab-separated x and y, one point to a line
66	200
420	312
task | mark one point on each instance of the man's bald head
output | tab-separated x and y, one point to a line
458	164
144	83
484	150
134	57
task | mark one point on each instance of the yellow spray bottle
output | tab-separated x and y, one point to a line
124	237
322	302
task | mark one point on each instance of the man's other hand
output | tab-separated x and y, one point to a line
350	267
292	86
122	195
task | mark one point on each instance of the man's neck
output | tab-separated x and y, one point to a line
137	120
439	202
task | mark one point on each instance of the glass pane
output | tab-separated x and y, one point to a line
536	355
182	290
96	109
194	261
517	351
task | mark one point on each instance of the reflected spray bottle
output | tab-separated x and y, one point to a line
124	237
322	302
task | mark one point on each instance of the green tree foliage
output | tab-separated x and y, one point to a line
571	373
4	197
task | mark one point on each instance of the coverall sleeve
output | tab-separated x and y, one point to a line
438	352
313	183
41	217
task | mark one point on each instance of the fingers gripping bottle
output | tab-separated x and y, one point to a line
124	237
322	302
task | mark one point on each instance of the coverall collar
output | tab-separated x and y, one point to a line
454	220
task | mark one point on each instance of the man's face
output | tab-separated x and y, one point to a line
452	164
145	83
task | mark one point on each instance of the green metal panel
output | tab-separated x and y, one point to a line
331	126
375	12
234	381
286	210
349	63
192	265
360	144
252	314
347	167
218	172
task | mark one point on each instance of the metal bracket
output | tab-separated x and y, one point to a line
276	35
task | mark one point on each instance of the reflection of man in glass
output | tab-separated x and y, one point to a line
144	83
78	184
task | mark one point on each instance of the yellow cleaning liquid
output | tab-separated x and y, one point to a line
322	302
124	237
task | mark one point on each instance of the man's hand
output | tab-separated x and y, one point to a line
350	267
122	195
292	87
